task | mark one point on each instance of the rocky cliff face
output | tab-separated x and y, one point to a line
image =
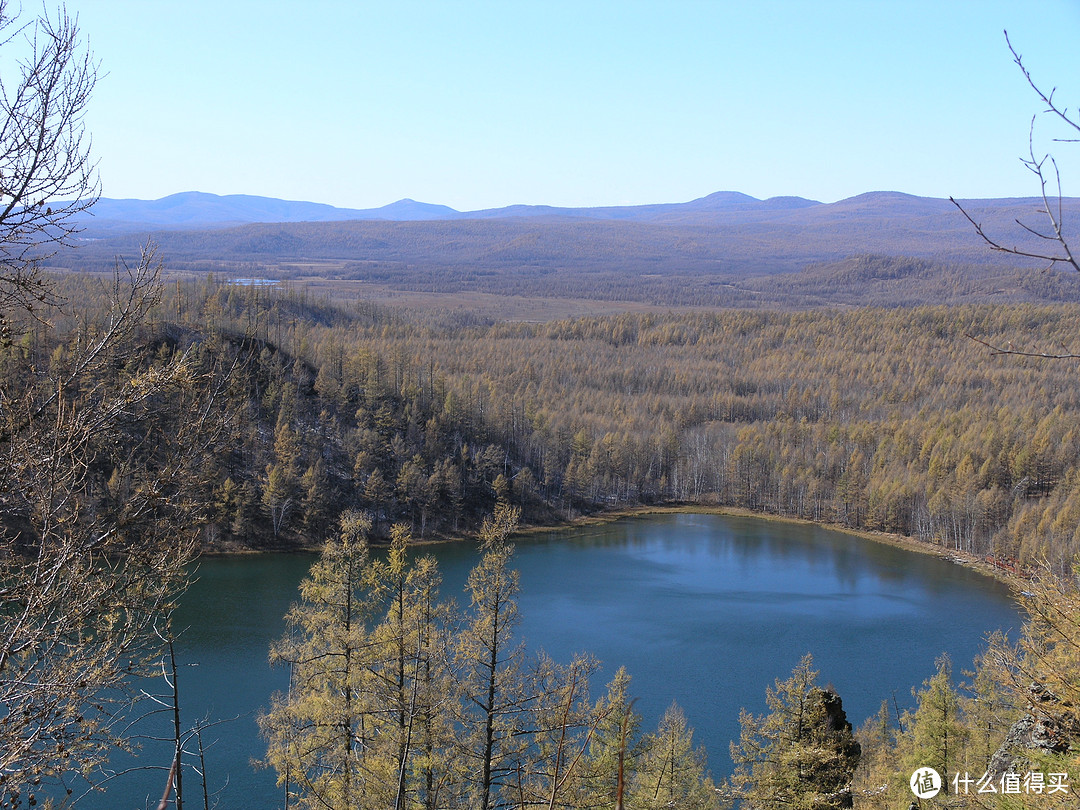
1042	731
829	729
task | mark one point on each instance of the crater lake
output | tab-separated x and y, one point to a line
702	609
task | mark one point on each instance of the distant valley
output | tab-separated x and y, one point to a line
725	249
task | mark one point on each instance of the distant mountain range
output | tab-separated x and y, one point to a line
725	249
726	231
196	209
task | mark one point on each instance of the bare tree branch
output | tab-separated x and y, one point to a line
1047	98
1064	354
47	176
1045	169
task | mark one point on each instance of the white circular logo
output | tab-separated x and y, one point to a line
925	783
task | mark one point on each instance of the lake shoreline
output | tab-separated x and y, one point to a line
978	564
701	611
1015	581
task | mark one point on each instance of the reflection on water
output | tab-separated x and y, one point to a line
701	609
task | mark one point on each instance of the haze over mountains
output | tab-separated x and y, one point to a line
726	248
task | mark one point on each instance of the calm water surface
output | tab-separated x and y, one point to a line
702	609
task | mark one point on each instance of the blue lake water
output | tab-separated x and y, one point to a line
705	610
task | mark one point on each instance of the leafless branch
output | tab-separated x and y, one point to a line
1047	98
1046	171
995	349
47	175
83	558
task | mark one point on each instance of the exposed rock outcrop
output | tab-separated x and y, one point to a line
1041	731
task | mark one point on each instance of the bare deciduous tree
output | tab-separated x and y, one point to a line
101	440
47	176
100	473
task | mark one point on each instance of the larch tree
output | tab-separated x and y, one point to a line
491	666
612	749
875	775
934	734
563	722
412	758
670	772
987	705
319	734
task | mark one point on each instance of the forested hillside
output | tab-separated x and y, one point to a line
889	419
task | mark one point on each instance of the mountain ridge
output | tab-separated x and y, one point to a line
727	233
195	210
198	209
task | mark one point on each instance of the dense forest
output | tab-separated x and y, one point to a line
310	410
897	420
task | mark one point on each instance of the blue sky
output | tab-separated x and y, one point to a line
484	104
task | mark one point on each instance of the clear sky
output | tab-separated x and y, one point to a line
483	104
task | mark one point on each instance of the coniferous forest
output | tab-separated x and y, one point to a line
893	420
